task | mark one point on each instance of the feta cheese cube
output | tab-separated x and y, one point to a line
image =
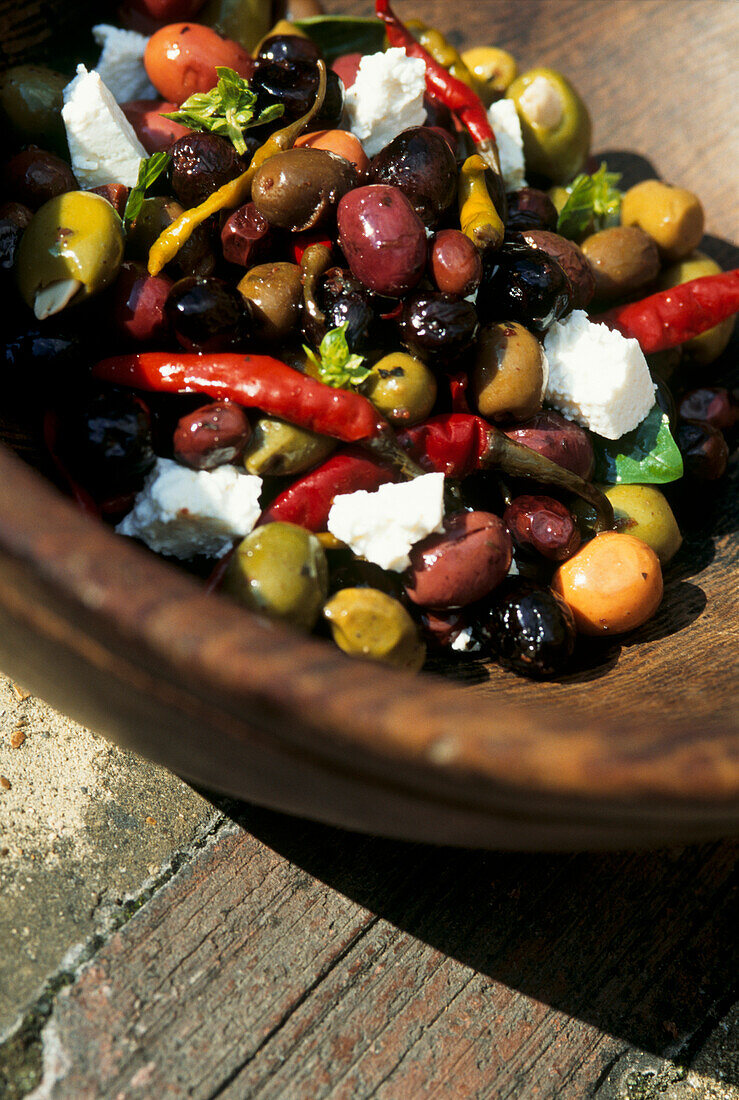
507	129
121	64
383	526
102	142
597	377
182	512
386	98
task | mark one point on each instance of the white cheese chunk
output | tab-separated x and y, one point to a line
384	526
597	377
542	103
102	142
182	512
507	129
386	98
121	64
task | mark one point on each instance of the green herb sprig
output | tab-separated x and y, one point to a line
149	171
594	203
228	109
648	455
336	364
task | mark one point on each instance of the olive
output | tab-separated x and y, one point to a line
383	239
34	176
707	347
280	570
245	234
368	623
31	104
529	208
531	630
420	164
712	405
139	301
438	327
275	294
402	388
510	374
72	249
624	259
294	84
211	436
300	188
544	525
287	47
496	67
673	216
16	213
157	213
462	564
201	163
555	124
571	259
704	450
523	284
560	440
344	301
114	193
279	449
454	263
155	132
442	628
207	314
105	440
245	21
642	511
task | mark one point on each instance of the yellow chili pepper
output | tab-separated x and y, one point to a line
235	192
478	217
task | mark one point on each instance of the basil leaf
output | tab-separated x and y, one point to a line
149	171
335	363
594	203
648	455
338	34
227	110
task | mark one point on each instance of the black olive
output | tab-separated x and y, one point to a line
529	208
419	163
201	163
207	314
530	630
523	284
704	450
437	327
294	84
288	47
344	300
105	440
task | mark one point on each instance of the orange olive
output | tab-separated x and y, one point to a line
340	142
181	59
613	584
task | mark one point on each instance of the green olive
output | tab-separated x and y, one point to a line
278	449
554	121
31	105
72	249
280	570
624	259
673	216
709	345
642	511
508	377
402	388
495	67
276	293
245	21
368	623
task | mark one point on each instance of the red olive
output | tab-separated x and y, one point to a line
383	239
155	132
34	176
244	236
139	300
211	436
455	263
544	525
462	564
550	434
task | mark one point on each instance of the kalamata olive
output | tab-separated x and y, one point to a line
139	301
421	165
624	259
529	208
461	565
244	236
383	239
509	373
438	327
531	630
455	263
344	300
275	294
207	314
442	627
181	59
300	188
288	47
201	163
211	436
106	440
570	258
712	405
523	284
544	525
34	176
550	434
155	132
114	193
294	84
704	450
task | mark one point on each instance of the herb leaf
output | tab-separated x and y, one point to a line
149	171
648	455
339	34
594	203
336	365
228	109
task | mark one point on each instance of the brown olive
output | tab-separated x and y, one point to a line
462	564
673	216
276	293
571	259
508	376
455	263
300	189
624	259
34	176
560	440
529	208
544	525
211	436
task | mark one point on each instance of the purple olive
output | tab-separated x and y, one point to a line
704	450
437	327
529	208
34	176
383	239
712	405
207	314
462	564
573	261
550	434
139	303
523	284
244	236
544	525
419	163
211	436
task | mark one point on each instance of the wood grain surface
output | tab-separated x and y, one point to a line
638	746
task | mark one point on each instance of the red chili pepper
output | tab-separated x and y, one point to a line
308	500
254	381
673	316
453	444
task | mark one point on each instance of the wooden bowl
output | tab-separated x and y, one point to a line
639	749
